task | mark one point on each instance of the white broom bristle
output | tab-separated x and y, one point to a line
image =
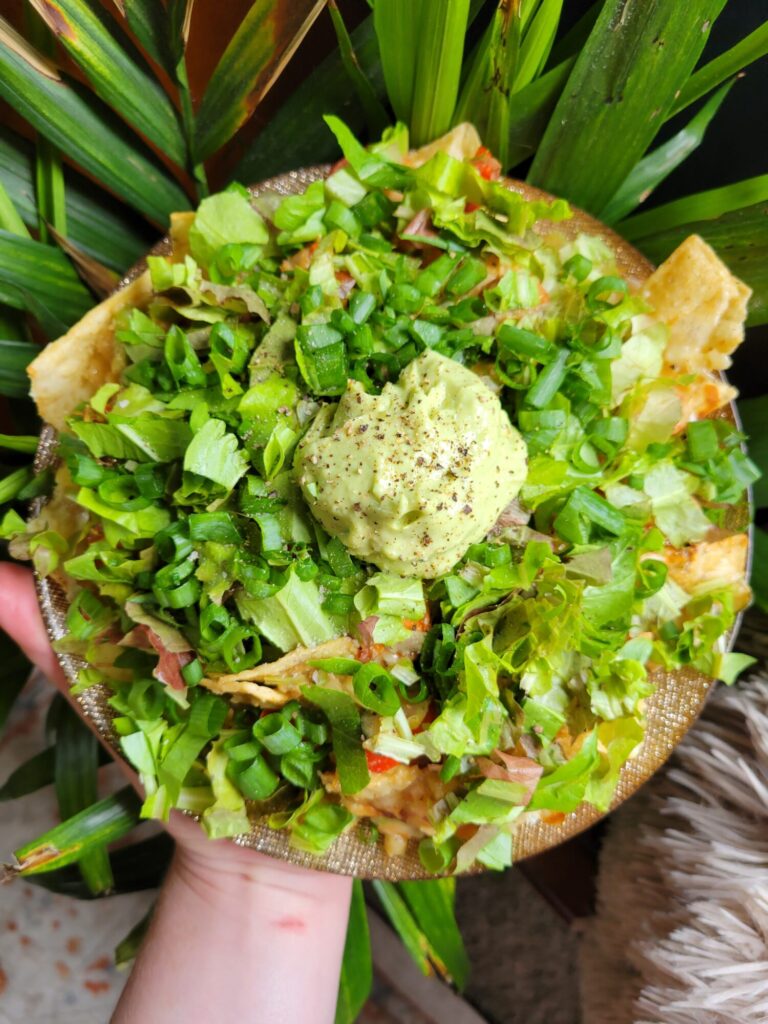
681	930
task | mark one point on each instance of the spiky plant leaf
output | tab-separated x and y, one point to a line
623	85
100	279
701	206
149	22
432	905
76	762
397	28
29	776
49	173
485	98
356	966
648	174
572	42
530	111
15	356
128	948
402	920
16	669
263	43
26	443
98	223
136	867
96	826
375	114
441	35
537	42
84	128
33	275
115	69
10	219
725	66
297	135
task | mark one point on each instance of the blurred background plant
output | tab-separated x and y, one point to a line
115	114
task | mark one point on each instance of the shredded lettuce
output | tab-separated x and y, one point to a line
222	220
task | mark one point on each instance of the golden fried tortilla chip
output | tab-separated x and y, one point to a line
73	368
702	303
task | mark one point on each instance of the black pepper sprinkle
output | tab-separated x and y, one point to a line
362	428
467	509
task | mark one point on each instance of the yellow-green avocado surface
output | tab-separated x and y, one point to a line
408	479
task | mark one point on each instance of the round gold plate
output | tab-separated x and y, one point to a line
672	709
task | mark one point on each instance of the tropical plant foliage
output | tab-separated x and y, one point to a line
601	113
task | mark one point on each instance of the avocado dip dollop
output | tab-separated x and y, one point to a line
409	478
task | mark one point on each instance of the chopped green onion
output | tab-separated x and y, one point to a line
218	526
276	734
375	689
192	672
549	381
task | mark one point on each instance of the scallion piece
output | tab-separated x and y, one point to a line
549	381
276	733
192	672
257	781
218	526
375	689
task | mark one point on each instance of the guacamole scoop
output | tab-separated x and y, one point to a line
408	479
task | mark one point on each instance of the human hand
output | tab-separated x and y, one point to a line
223	906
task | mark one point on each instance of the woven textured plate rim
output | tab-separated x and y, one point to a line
671	710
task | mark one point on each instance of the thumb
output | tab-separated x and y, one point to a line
20	618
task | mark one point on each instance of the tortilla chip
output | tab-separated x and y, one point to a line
703	305
244	692
709	565
180	225
701	398
72	369
461	142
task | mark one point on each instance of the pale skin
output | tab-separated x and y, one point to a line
236	936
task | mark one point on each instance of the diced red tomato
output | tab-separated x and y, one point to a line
487	164
420	625
379	762
471	207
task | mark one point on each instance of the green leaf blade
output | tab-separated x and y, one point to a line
264	42
659	164
297	135
356	966
438	68
701	206
725	66
397	29
375	114
404	923
98	223
29	776
96	826
31	272
84	129
432	905
622	87
76	759
116	70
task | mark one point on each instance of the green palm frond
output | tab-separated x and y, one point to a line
262	45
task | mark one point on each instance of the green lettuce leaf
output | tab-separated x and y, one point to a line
213	453
226	218
564	788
